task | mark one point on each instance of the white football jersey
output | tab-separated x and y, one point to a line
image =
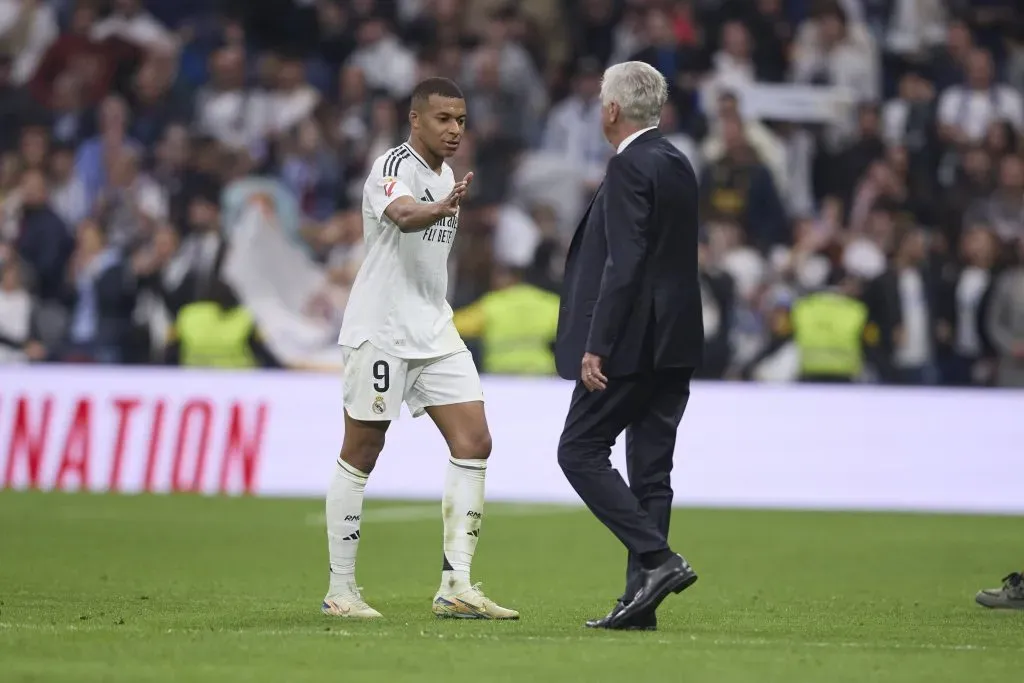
398	300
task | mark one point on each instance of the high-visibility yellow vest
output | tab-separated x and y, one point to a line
211	337
828	330
516	325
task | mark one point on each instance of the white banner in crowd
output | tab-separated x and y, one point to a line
795	103
278	434
279	283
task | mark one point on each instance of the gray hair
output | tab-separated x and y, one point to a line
638	88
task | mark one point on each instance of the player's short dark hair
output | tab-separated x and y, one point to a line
443	87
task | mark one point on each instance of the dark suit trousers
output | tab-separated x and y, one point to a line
648	408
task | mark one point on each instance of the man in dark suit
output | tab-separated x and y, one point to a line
630	332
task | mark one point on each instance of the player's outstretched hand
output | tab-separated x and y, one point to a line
451	202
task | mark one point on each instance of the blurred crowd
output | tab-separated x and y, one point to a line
873	142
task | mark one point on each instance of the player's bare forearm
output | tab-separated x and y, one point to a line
411	216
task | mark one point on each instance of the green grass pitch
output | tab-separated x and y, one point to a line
148	588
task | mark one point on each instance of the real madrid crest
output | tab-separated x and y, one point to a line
378	405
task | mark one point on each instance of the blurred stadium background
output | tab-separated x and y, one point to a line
157	156
878	140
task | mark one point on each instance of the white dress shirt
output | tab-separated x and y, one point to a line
625	143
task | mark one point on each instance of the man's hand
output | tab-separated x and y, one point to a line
450	204
411	216
35	351
593	378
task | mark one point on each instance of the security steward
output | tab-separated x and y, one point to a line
516	325
218	332
831	331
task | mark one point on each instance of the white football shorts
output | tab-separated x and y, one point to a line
376	383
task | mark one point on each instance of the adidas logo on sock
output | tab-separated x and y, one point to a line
474	532
354	536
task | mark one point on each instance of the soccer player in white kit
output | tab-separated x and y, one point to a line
400	344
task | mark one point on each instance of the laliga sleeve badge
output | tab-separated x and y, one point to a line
389	185
378	405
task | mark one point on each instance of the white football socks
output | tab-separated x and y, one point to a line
462	509
344	510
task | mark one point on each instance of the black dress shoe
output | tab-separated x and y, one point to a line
646	621
673	576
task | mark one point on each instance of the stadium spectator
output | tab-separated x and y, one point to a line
291	98
769	149
311	171
718	298
732	67
960	305
15	105
34	147
18	342
966	111
1005	323
98	154
197	261
901	304
226	108
387	64
67	191
738	187
1003	209
831	49
156	101
43	241
100	297
949	63
91	62
573	128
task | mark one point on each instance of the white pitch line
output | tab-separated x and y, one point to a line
733	642
631	638
420	513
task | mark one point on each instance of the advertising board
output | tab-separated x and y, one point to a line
272	433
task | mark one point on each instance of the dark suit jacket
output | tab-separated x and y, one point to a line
630	292
46	245
115	301
194	286
885	309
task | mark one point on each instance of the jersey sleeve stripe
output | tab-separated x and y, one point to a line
398	162
393	161
387	162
